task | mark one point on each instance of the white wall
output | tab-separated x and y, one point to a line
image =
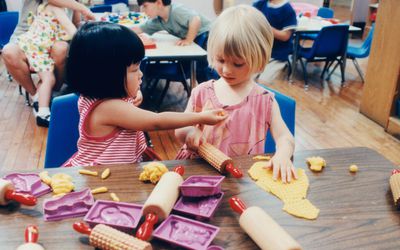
14	5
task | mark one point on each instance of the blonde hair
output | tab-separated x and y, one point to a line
243	32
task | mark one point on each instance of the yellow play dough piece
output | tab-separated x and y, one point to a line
316	163
105	173
60	183
301	208
153	172
353	168
262	157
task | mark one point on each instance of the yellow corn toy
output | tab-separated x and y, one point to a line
99	190
88	172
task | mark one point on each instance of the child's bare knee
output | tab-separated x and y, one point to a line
12	54
59	51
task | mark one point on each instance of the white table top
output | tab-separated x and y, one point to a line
305	24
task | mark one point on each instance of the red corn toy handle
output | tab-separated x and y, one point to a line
180	170
146	229
25	199
31	234
395	171
237	205
82	228
233	171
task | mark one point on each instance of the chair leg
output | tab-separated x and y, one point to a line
164	92
333	70
289	69
342	70
358	68
304	66
325	68
10	79
20	89
184	82
27	101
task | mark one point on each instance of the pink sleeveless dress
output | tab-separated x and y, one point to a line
120	146
245	129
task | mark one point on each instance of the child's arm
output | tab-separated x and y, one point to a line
282	35
137	29
76	18
281	162
73	5
194	27
191	136
63	19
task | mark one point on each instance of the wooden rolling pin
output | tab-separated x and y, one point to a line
218	160
7	194
31	239
264	231
108	238
395	186
160	202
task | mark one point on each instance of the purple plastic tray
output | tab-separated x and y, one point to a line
71	205
28	183
201	208
201	185
186	233
119	215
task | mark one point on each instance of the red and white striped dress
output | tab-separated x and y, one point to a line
120	146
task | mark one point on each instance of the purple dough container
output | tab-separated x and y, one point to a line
186	233
119	215
28	183
201	185
71	205
202	208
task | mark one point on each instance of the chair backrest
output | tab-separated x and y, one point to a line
101	8
368	41
116	1
331	41
287	106
8	21
325	12
63	131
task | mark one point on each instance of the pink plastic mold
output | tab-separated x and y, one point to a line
71	205
119	215
201	185
201	208
28	183
186	233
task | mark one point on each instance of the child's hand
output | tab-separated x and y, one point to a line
183	42
194	138
282	166
212	117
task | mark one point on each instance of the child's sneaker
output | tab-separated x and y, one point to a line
43	121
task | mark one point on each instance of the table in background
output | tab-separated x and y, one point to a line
356	211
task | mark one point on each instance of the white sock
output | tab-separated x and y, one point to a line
35	97
43	111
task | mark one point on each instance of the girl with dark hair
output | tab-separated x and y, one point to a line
103	65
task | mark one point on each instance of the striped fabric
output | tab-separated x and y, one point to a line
120	146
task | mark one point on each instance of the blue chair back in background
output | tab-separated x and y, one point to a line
8	21
287	106
331	41
116	1
101	8
325	12
63	131
363	50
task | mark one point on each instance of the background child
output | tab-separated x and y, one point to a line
174	18
50	24
104	67
237	54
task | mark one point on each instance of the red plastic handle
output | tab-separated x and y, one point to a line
233	171
25	199
146	229
395	171
180	170
31	234
237	205
82	228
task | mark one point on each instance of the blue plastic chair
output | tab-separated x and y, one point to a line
63	131
329	46
101	8
116	1
324	13
287	106
354	52
8	20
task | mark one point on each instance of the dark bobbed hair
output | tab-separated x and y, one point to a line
98	57
165	2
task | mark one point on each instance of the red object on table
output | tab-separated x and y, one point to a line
25	199
234	171
31	234
146	229
237	205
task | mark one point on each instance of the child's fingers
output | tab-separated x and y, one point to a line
294	172
288	174
283	173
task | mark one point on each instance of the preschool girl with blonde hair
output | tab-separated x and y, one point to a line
103	66
239	47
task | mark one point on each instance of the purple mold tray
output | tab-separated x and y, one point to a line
71	205
119	215
28	183
201	208
186	233
201	185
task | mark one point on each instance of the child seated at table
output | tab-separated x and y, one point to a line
103	65
50	24
238	54
174	18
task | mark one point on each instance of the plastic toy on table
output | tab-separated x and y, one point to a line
119	215
127	19
186	233
68	206
108	238
218	160
31	239
201	185
28	183
261	228
8	194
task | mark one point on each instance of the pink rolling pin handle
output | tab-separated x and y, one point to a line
237	205
395	171
82	228
233	171
31	234
146	229
180	170
25	199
